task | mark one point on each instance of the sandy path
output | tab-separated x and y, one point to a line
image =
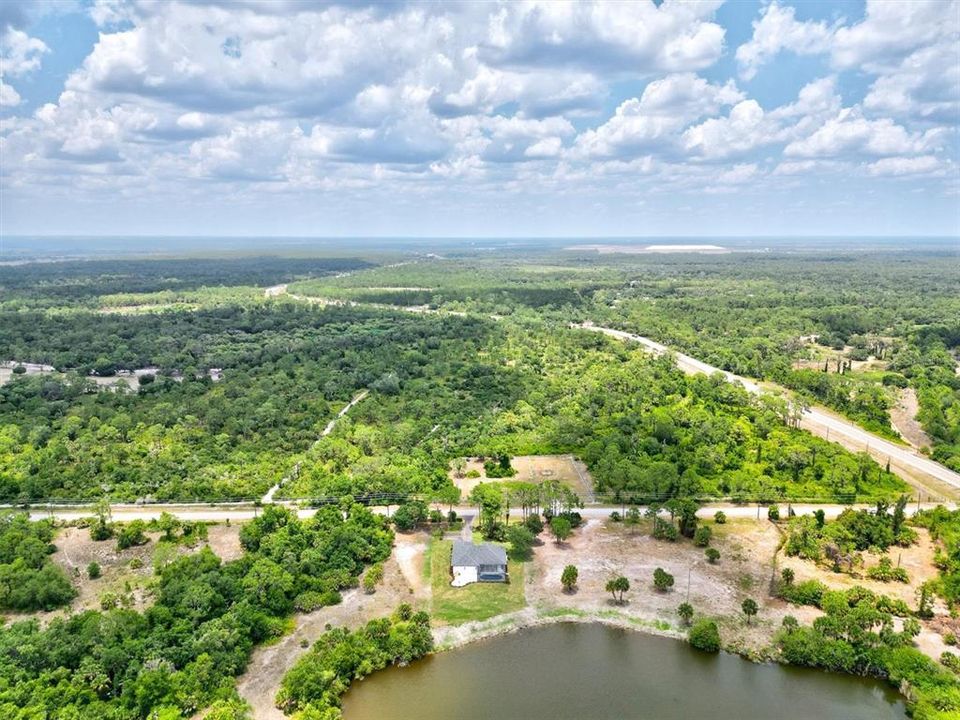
261	681
268	497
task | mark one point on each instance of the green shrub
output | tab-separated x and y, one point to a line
702	536
93	571
100	531
409	515
950	660
720	517
808	592
662	580
665	530
131	534
885	572
372	577
704	635
499	467
534	524
521	541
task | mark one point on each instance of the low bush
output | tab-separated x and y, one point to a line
665	530
705	635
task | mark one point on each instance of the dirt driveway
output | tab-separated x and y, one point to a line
261	681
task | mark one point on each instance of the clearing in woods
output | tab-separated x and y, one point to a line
530	468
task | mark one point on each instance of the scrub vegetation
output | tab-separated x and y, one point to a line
214	380
180	655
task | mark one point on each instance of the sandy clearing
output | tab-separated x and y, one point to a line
531	468
903	417
602	549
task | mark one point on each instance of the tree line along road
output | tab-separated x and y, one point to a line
929	478
925	475
213	513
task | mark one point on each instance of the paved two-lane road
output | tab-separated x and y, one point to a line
920	471
241	513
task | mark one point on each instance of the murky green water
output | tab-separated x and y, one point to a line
594	672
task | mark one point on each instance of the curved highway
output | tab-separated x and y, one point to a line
918	470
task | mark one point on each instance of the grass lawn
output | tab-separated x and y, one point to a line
477	601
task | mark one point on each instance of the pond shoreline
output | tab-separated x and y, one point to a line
456	637
496	665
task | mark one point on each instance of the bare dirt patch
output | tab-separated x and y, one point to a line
602	549
530	468
903	416
224	540
818	354
409	551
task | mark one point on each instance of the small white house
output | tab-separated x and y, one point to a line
471	563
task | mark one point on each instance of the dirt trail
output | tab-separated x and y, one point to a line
268	497
261	681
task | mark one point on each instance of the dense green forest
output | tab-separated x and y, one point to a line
443	387
498	373
76	284
28	581
181	654
755	314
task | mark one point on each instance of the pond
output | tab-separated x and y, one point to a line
595	672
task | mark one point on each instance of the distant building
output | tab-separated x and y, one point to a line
471	563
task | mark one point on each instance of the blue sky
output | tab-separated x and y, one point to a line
279	117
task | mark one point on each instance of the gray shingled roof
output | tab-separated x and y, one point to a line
466	553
